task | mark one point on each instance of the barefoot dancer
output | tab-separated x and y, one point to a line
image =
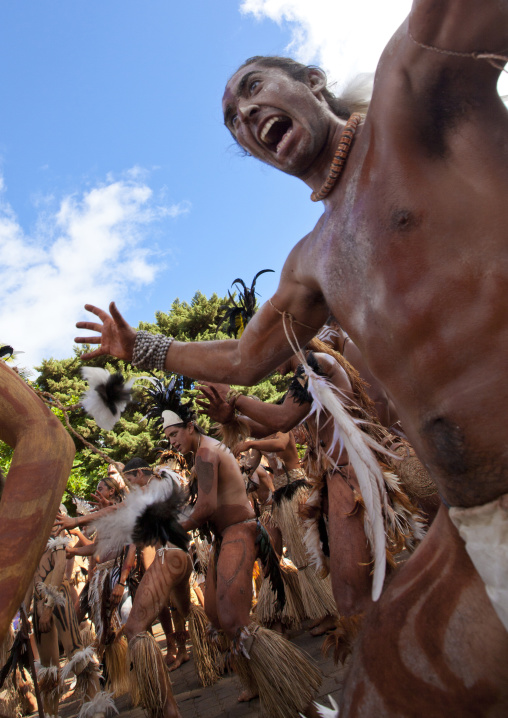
222	503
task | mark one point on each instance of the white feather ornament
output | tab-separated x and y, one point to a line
101	703
57	542
82	507
115	530
107	396
327	399
85	655
325	712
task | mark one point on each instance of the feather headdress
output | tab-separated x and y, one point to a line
237	316
6	351
162	402
107	396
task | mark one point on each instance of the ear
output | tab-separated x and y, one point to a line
316	79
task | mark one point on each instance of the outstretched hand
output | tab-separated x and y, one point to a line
116	337
65	522
212	401
99	502
241	447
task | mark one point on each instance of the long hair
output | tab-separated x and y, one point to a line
355	98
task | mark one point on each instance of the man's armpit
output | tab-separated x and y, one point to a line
206	474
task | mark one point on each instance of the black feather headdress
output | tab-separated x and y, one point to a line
237	316
6	351
166	395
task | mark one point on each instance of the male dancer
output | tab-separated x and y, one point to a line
222	503
411	257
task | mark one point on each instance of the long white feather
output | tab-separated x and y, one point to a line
115	530
327	399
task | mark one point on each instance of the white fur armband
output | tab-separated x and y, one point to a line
50	594
57	542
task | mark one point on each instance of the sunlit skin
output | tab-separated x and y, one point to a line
349	553
411	256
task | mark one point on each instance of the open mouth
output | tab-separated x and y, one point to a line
276	132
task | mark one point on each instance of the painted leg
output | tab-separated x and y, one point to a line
432	645
181	636
48	673
152	595
350	558
167	626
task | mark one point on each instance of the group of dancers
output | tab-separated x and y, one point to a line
230	543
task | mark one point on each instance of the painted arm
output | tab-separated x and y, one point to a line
71	522
40	467
263	418
83	540
207	469
262	347
273	418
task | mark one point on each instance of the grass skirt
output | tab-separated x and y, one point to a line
317	596
292	614
284	676
150	683
207	656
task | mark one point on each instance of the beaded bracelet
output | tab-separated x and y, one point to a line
150	350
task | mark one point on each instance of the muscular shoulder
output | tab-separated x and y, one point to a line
428	84
298	267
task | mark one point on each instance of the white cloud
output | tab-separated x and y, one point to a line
92	245
344	38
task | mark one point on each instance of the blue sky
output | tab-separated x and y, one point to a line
118	178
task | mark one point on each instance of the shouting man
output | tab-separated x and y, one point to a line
411	256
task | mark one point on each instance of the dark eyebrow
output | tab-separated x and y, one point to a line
243	82
239	90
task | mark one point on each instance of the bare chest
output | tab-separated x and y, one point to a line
409	259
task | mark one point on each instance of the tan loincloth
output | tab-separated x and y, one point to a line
484	530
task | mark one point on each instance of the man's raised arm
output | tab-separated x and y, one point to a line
294	309
455	30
